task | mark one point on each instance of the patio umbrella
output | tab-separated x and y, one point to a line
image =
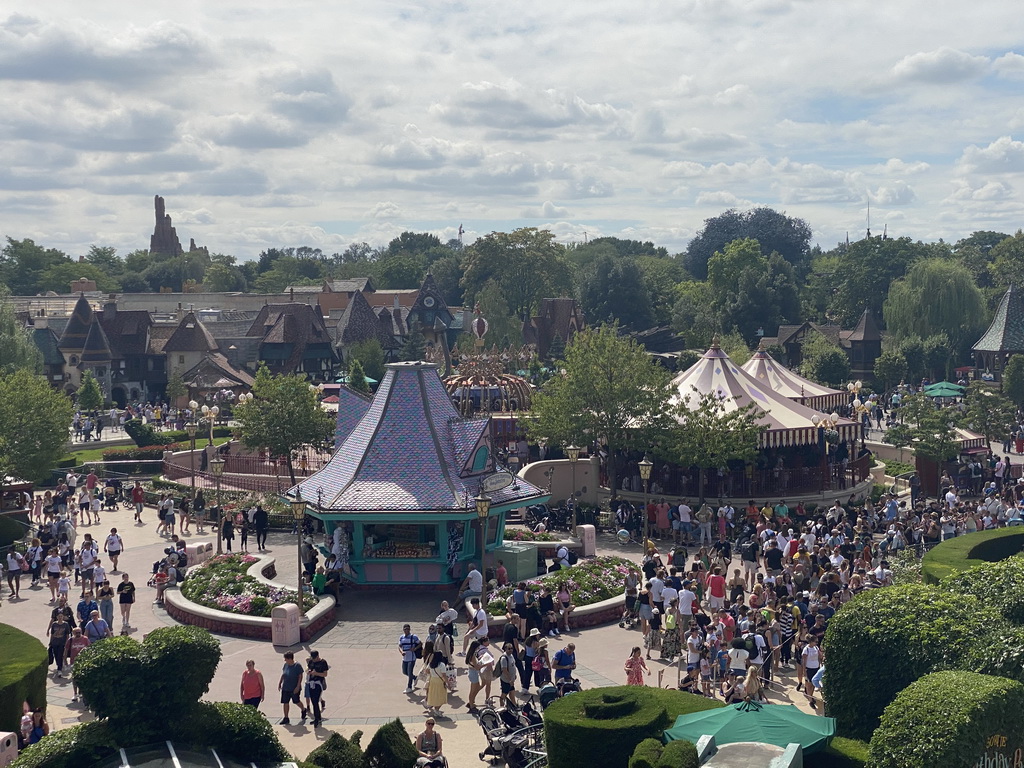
343	379
944	389
778	724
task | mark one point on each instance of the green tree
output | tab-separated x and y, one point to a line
357	378
370	355
613	290
222	277
890	368
912	349
823	361
611	392
527	264
500	320
415	346
710	432
776	232
750	292
400	270
1013	379
735	346
556	349
447	273
691	316
931	429
975	253
17	350
59	277
863	267
284	417
90	396
22	264
938	356
1008	261
176	387
34	424
936	296
988	412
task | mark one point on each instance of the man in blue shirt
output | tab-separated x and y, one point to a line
564	663
290	686
407	644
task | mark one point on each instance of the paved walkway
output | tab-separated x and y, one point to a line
366	687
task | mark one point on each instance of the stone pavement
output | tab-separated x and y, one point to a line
365	684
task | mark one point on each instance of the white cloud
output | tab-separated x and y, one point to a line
546	211
1004	155
898	193
384	210
943	65
723	198
1009	65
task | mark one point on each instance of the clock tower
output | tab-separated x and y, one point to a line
430	313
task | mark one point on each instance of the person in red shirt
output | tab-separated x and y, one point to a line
138	497
715	584
728	624
753	513
76	643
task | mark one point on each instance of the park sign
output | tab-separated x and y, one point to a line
1000	753
495	482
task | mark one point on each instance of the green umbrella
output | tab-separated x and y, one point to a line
343	379
778	724
944	389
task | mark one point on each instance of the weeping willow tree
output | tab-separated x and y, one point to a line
937	296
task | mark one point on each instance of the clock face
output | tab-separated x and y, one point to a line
428	301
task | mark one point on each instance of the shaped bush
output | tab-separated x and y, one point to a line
578	740
338	752
391	747
964	552
651	753
232	728
22	675
995	584
79	745
904	632
950	720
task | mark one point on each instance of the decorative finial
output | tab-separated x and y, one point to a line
715	342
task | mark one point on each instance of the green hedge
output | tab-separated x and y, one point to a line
391	747
73	747
911	630
575	740
840	753
23	666
944	720
651	753
338	752
13	527
232	728
996	584
964	552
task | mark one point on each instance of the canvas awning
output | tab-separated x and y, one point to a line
765	369
786	422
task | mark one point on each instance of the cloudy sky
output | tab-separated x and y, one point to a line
323	123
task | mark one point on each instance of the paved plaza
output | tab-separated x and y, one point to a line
365	684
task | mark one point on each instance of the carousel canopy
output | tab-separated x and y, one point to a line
770	373
786	422
411	451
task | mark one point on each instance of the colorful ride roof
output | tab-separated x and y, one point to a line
772	374
786	422
411	451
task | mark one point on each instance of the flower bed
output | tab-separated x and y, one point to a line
222	583
523	534
589	581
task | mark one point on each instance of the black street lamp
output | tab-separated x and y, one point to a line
573	452
645	475
217	468
298	514
483	509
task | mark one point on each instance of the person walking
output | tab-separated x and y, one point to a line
252	689
59	631
14	569
105	599
96	628
317	676
74	646
138	498
228	532
636	667
407	646
261	523
126	599
437	682
290	686
113	546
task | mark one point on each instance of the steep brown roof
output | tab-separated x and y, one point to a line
215	371
158	336
294	324
867	329
359	323
191	336
76	332
127	330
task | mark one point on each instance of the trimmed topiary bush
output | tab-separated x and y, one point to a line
646	754
22	675
964	552
840	753
338	752
995	584
144	434
950	720
576	740
391	747
233	729
905	632
79	745
651	753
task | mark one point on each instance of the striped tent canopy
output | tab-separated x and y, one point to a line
786	423
777	377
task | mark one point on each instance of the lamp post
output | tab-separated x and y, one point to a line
645	475
207	414
298	513
513	464
573	452
217	467
191	427
483	509
829	434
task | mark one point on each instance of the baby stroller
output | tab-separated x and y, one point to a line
565	687
547	694
631	613
495	730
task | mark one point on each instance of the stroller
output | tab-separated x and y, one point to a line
631	613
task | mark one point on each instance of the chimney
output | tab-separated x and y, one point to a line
396	302
110	309
41	320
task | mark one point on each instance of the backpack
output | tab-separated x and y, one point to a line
751	645
573	557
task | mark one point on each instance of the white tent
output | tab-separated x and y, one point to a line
786	422
776	377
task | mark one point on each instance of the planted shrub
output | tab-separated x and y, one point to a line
914	628
338	752
79	745
577	740
646	754
22	675
949	720
963	552
144	434
233	729
995	584
391	747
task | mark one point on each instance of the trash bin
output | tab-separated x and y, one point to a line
587	535
520	561
284	625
